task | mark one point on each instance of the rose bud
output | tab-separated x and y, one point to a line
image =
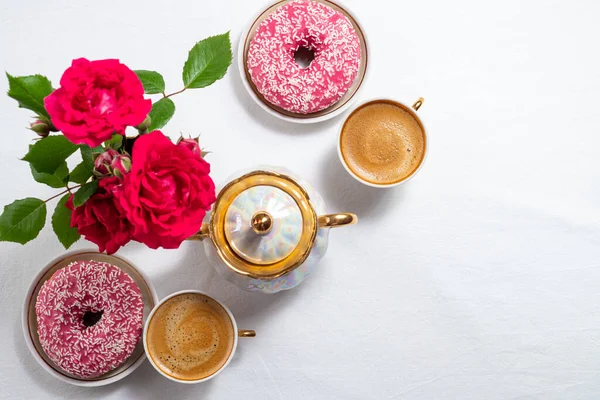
40	127
191	144
143	127
121	165
102	164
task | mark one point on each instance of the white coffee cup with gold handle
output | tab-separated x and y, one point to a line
190	337
383	143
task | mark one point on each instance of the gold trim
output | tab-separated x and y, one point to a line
281	267
418	104
246	333
336	220
358	81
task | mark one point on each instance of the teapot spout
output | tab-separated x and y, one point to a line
335	220
203	234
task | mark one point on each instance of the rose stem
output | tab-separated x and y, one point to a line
174	93
63	192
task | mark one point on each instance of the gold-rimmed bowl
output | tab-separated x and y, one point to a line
337	108
29	319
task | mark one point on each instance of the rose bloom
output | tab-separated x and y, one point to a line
101	219
95	100
167	192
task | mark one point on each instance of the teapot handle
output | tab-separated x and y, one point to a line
203	234
335	220
323	221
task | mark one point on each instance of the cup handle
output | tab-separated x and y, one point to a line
335	220
246	333
203	234
418	104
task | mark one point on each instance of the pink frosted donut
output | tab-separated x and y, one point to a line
89	318
318	28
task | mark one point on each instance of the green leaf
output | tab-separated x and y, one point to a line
84	170
61	223
80	174
84	193
89	154
161	113
115	142
49	153
30	91
152	81
207	61
55	180
22	220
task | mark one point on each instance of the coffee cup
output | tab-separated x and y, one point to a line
190	337
383	143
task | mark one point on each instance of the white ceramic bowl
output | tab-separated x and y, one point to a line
29	320
339	107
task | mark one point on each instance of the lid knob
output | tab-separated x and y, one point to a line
262	222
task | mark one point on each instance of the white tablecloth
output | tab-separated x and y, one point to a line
479	279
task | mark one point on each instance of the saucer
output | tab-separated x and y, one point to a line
339	107
29	319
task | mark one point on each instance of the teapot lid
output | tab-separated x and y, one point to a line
263	224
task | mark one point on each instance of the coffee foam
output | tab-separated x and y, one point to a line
190	337
382	142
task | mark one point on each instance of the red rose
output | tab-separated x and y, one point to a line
100	219
167	192
95	100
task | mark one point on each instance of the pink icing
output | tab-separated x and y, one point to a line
317	27
89	286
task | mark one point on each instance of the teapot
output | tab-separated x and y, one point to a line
268	230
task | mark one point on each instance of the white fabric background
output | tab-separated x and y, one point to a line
477	280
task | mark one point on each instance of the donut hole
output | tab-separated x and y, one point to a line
304	56
91	318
